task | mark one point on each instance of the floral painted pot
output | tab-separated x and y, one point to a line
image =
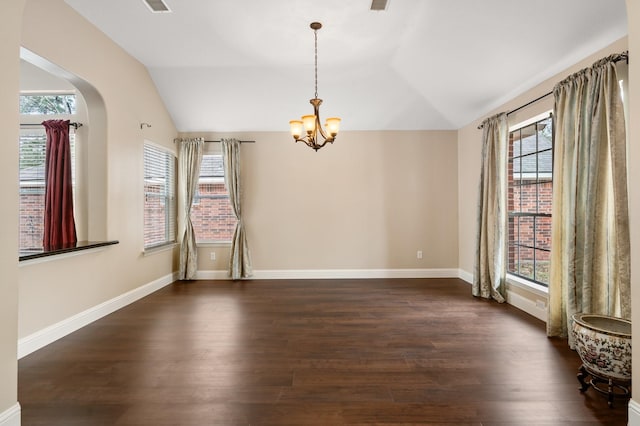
604	345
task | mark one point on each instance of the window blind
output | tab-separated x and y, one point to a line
159	196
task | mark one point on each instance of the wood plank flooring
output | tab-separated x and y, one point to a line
310	352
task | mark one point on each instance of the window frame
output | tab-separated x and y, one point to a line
49	93
32	122
168	197
513	277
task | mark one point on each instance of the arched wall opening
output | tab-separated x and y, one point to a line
91	199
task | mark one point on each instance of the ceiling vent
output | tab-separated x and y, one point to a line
157	6
379	4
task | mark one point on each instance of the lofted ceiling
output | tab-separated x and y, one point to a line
247	65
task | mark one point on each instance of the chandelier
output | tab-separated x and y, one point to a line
310	124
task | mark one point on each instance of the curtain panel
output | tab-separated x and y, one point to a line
189	171
590	266
491	243
59	223
240	258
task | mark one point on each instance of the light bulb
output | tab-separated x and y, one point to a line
333	126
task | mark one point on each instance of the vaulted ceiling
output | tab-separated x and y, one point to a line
247	65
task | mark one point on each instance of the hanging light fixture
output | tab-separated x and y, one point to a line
310	124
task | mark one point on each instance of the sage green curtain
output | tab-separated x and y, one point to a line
189	173
240	257
590	269
491	243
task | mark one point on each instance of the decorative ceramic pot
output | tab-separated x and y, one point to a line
604	345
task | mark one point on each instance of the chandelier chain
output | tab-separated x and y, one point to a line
315	34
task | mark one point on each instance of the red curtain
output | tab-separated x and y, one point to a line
59	224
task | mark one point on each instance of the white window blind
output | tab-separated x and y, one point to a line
159	197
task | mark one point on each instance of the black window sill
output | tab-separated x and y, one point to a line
37	253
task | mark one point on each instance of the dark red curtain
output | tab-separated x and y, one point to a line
59	225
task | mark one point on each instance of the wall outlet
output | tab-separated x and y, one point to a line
541	304
419	254
213	255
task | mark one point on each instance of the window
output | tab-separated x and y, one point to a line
34	104
159	197
529	197
211	213
35	108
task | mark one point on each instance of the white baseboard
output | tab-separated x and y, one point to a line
634	413
212	275
41	338
466	276
304	274
11	417
527	305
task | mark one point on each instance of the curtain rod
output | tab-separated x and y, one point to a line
624	56
214	141
524	106
74	125
218	141
529	103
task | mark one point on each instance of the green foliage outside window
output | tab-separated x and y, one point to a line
47	104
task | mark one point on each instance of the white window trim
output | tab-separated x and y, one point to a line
525	284
529	121
514	280
213	244
158	249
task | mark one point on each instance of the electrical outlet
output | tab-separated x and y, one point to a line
419	254
213	255
541	304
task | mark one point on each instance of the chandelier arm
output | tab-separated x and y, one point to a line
316	112
309	141
322	133
323	143
312	143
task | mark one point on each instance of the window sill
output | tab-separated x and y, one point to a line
527	285
32	255
214	244
157	249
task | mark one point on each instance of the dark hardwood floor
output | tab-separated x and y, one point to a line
320	352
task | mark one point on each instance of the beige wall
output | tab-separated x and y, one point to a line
370	201
633	15
9	71
120	95
469	150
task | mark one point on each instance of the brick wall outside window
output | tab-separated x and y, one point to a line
155	213
31	217
212	215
